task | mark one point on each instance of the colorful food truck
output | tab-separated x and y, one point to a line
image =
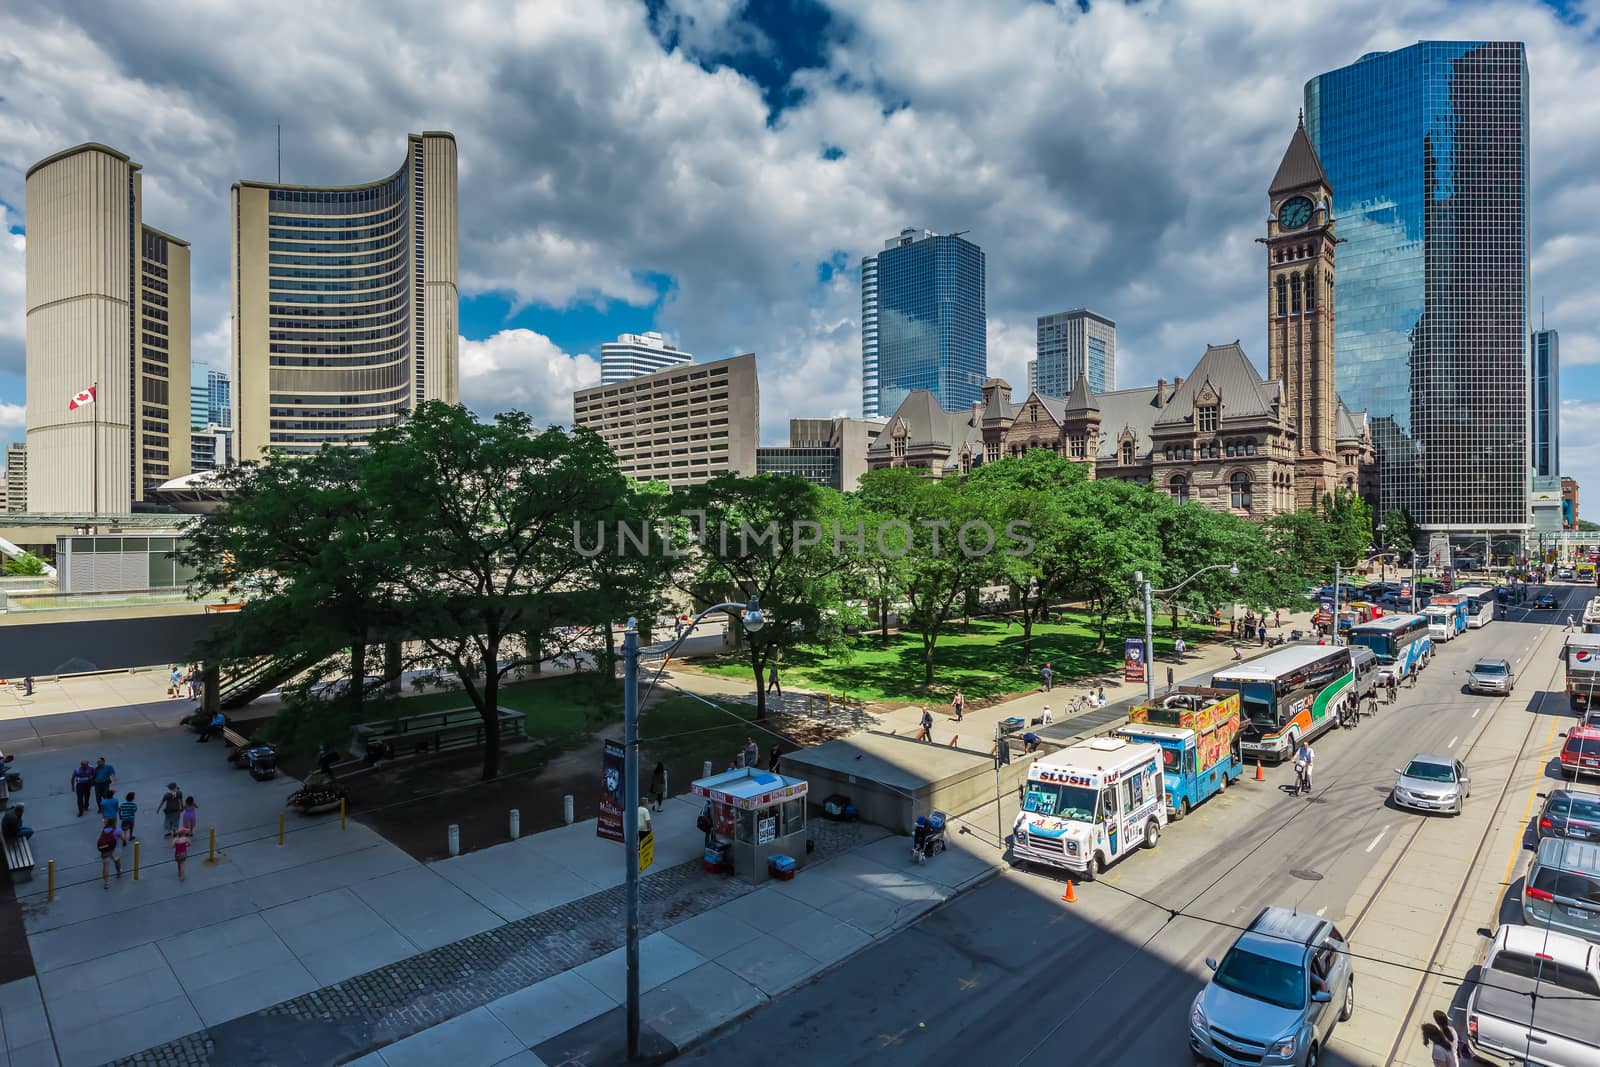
1087	805
1198	731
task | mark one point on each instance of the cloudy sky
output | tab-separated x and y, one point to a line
716	169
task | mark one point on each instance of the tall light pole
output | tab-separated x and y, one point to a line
631	654
1149	626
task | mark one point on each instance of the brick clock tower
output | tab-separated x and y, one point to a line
1300	245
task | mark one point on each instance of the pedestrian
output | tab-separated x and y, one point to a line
774	755
1441	1050
109	845
215	726
1448	1031
772	681
1392	687
645	824
1261	633
960	704
83	785
705	824
176	678
104	775
1100	698
191	815
927	725
11	827
127	811
1030	742
180	850
1233	627
1047	676
108	805
1238	655
1571	622
1411	677
1277	620
658	785
1177	648
171	807
1044	716
752	753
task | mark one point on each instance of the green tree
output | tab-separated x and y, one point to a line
1113	525
1194	537
1399	533
485	517
1349	519
25	565
771	538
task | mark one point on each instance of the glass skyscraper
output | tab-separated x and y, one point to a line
1072	344
1426	149
924	322
1546	395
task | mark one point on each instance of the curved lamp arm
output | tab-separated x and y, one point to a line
752	617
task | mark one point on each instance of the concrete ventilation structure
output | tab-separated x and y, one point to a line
830	452
16	477
681	426
345	303
108	307
633	354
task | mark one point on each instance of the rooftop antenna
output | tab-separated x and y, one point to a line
280	153
1541	314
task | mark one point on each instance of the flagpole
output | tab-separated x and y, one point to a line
94	447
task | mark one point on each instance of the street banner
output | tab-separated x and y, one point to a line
1405	589
1133	659
1326	604
612	798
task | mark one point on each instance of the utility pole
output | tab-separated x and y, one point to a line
1149	640
630	823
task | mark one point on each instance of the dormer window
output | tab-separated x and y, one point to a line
900	445
1209	418
1127	453
1033	414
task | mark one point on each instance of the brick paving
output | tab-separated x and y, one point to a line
349	1018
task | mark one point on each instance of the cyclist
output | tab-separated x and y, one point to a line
1392	685
1372	703
1304	757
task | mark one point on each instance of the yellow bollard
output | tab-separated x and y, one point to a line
280	829
136	861
341	813
50	869
211	857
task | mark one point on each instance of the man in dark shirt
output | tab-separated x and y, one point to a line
11	824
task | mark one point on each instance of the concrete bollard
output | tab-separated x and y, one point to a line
566	808
516	823
50	873
455	839
705	769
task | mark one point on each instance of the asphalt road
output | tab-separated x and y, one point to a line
1008	974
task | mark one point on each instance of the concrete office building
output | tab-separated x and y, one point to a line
199	397
830	452
107	307
923	321
633	354
211	448
345	303
1073	344
16	477
681	426
1546	397
1426	152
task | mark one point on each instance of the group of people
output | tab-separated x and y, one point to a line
750	756
118	815
178	679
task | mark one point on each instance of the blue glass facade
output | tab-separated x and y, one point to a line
1546	393
929	319
1426	149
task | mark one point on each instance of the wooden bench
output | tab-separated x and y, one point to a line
19	859
234	739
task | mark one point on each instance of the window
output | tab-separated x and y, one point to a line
1208	419
900	445
1127	453
1079	446
1180	489
1239	484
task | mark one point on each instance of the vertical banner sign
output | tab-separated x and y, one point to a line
1133	659
612	799
1405	589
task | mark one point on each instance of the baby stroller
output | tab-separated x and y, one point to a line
928	839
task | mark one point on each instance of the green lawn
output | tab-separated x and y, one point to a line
983	659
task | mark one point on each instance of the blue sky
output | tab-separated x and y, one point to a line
715	169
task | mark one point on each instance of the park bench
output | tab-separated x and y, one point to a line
19	858
234	739
428	733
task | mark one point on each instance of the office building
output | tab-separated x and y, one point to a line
1569	504
16	477
199	397
830	452
924	321
682	425
211	448
1426	151
219	398
1546	398
108	309
345	303
1070	344
633	354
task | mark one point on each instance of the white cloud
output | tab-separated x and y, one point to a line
13	417
1580	440
523	370
13	308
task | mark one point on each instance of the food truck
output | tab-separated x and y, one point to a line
1581	654
1086	806
1198	731
1454	601
1441	621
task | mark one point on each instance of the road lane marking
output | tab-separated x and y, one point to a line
1533	792
1475	712
1375	840
1322	911
1452	743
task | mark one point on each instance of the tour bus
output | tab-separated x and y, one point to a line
1581	654
1591	616
1401	642
1088	805
1290	695
1452	600
1198	731
1441	621
1480	605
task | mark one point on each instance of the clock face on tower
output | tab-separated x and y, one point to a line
1294	213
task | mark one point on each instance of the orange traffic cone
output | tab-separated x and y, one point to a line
1069	896
954	739
1259	776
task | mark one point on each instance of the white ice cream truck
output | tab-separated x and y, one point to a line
1088	805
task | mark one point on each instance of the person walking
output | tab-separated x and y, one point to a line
109	845
1261	633
1277	620
104	775
176	678
1047	676
774	757
1440	1048
127	811
1233	627
1177	648
83	785
191	815
11	827
180	850
1571	622
171	807
1448	1031
752	752
1100	698
108	806
658	785
960	705
927	725
772	681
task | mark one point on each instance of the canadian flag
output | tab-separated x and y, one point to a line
83	399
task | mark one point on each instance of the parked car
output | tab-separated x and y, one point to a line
1271	999
1562	888
1581	753
1492	676
1504	1017
1432	783
1545	600
1573	813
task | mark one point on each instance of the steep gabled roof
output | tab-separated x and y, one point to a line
1349	425
928	423
1300	166
1229	372
1130	409
1081	399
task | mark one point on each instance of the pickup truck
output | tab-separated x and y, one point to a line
1561	1028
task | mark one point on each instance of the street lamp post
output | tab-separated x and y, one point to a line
1149	624
631	654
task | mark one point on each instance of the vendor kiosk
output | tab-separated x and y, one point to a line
755	815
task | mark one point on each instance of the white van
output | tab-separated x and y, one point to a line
1441	621
1088	805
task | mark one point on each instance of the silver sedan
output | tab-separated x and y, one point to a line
1433	783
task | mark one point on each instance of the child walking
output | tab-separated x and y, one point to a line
180	849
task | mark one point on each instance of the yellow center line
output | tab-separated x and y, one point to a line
1533	792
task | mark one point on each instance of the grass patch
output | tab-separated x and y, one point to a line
983	658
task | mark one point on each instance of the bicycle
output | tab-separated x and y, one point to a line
1302	778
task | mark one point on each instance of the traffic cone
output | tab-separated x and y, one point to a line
1069	896
1259	776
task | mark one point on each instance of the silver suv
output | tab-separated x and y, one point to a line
1491	676
1271	1000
